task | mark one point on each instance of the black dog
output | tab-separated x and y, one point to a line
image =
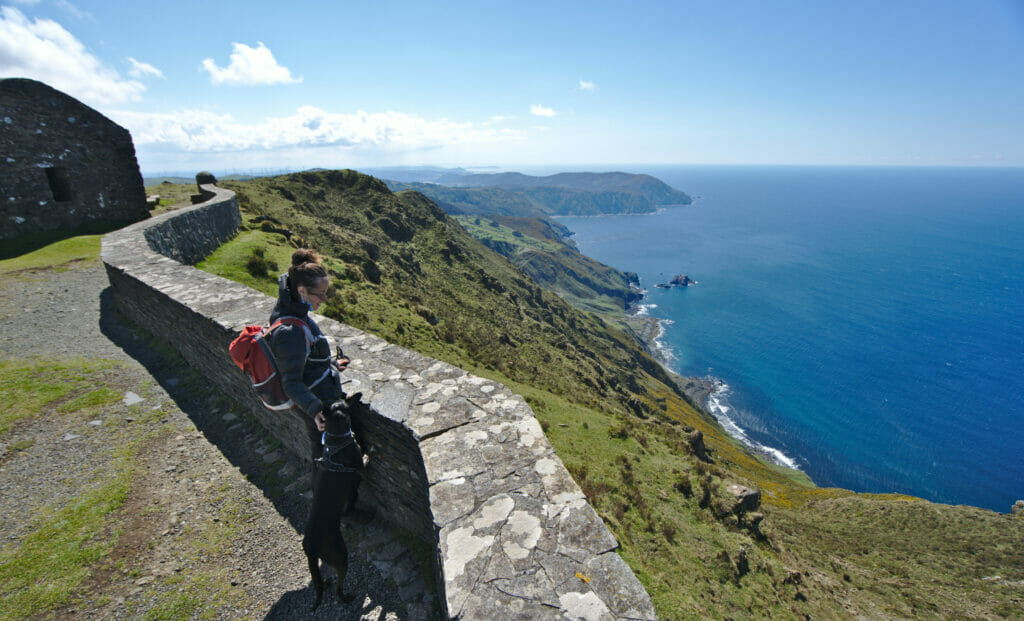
335	486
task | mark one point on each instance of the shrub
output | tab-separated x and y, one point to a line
705	491
594	491
668	531
258	265
621	432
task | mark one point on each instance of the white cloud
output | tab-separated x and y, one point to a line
73	10
586	86
250	66
538	110
43	50
204	131
140	69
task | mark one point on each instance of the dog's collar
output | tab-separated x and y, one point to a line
323	438
333	449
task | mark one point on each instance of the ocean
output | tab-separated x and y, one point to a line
867	324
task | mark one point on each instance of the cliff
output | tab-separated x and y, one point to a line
458	461
564	194
666	480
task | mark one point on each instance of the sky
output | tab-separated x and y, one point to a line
268	86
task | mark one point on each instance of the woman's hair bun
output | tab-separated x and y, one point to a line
305	255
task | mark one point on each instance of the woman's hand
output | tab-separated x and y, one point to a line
321	422
342	363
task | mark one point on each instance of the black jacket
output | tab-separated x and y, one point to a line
309	379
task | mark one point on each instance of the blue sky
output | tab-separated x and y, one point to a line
248	86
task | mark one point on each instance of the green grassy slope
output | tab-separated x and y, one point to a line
404	270
408	272
486	201
536	247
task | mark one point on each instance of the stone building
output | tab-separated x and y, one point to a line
63	165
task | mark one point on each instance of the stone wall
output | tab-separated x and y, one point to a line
63	165
457	460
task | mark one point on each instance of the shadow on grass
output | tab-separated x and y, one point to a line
29	242
237	439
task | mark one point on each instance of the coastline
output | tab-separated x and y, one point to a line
708	395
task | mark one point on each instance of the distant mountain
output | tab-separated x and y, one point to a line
564	194
414	174
591	182
474	201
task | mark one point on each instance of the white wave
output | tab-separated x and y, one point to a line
643	310
663	353
719	407
717	403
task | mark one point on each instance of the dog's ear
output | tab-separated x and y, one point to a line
353	400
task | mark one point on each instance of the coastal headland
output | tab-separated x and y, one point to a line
710	529
662	473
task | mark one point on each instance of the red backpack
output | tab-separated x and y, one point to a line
251	352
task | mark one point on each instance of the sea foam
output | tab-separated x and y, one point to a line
719	407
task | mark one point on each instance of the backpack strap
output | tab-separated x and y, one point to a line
295	321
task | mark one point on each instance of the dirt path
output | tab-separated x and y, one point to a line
212	523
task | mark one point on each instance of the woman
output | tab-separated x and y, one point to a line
309	376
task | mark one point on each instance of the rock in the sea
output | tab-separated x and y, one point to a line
681	280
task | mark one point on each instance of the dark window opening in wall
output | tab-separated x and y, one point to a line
58	178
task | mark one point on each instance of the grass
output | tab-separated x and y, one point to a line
483	228
194	596
172	196
538	248
43	569
46	568
103	395
59	255
29	386
230	259
624	432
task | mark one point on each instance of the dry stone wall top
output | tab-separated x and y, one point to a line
457	460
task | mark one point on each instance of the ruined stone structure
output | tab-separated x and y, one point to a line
458	461
63	165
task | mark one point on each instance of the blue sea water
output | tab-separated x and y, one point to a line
868	323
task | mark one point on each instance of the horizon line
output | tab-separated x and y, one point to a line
266	171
